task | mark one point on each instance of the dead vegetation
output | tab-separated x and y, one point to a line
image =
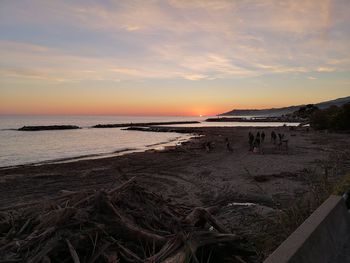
328	177
123	224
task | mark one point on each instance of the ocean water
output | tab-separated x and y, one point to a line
236	124
24	147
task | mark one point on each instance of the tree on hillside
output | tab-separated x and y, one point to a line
305	112
332	118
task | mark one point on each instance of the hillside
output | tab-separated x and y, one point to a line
284	110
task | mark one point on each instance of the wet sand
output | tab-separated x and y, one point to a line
243	183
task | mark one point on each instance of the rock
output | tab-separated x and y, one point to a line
48	128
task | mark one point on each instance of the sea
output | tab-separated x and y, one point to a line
40	147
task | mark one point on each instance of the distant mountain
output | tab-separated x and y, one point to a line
275	112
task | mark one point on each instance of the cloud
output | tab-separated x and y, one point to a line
142	71
325	69
208	39
195	77
31	74
36	62
132	27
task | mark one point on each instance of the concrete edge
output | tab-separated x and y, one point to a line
319	238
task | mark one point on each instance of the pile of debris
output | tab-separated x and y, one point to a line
123	224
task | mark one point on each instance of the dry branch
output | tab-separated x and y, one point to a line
123	224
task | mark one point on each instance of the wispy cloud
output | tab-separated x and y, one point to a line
195	77
325	69
193	40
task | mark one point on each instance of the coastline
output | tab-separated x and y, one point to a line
157	146
303	155
247	187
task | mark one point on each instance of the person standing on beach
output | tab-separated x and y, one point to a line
228	146
280	137
262	137
257	142
262	142
207	147
273	137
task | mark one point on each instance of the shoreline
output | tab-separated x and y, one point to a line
31	128
194	147
191	131
116	153
246	188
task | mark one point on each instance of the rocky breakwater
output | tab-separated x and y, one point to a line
48	128
122	125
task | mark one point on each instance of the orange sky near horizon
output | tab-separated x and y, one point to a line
108	106
34	107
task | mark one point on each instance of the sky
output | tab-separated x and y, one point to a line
171	57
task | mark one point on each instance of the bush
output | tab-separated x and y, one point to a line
343	186
332	118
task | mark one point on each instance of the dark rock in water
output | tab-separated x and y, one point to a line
48	128
139	129
161	129
123	125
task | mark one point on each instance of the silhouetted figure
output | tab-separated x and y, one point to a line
273	137
257	144
228	146
208	147
262	137
281	140
280	137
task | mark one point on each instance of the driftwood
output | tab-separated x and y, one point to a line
72	252
123	224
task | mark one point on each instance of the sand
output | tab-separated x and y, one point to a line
245	184
187	173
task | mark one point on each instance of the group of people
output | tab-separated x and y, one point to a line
274	137
209	145
256	142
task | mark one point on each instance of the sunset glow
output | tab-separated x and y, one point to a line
172	57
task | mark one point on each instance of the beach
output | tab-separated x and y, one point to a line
248	187
173	131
